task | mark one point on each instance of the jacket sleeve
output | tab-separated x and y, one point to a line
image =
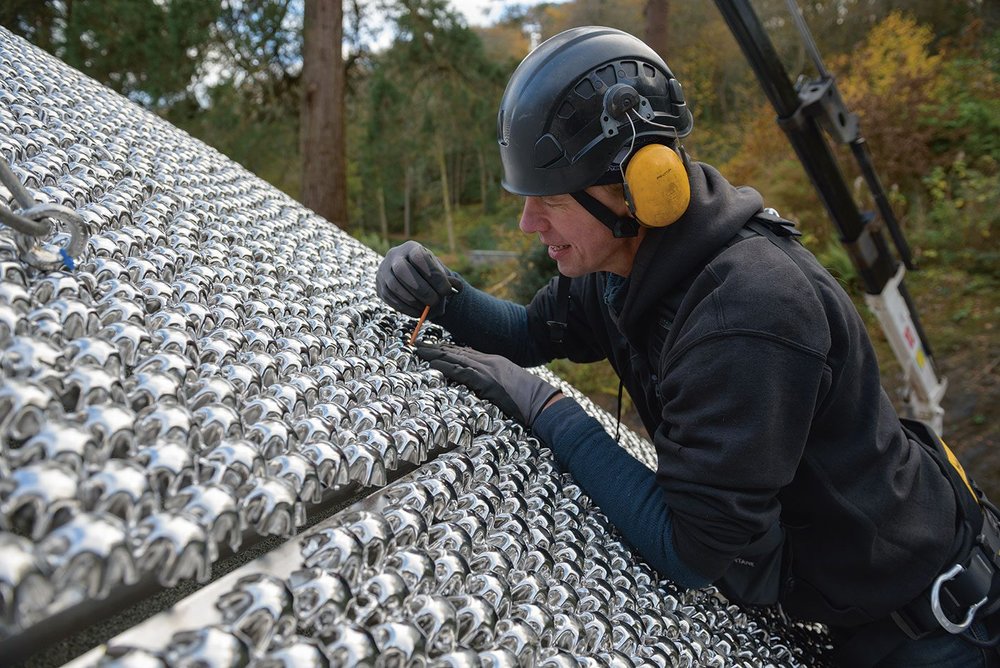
519	333
491	325
737	408
624	489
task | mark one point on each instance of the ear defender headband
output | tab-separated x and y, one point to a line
657	190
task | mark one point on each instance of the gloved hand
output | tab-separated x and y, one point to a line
518	393
411	277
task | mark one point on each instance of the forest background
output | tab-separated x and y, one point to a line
413	92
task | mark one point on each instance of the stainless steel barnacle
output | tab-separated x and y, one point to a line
625	632
538	617
528	586
11	323
244	378
233	463
520	638
24	589
161	422
273	437
491	587
435	616
374	533
328	461
299	470
476	621
320	598
216	350
113	425
175	364
215	508
172	545
88	386
258	609
119	487
335	415
15	297
207	647
91	550
442	495
450	571
458	658
475	503
36	497
400	643
408	526
132	340
615	659
215	423
271	505
511	544
490	560
415	567
351	645
364	464
170	339
63	442
297	653
24	408
378	598
411	494
450	537
498	658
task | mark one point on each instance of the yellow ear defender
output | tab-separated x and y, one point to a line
657	190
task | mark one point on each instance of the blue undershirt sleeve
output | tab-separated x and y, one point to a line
490	325
624	489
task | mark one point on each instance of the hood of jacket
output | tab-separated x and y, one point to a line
667	256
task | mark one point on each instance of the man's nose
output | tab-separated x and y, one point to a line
531	218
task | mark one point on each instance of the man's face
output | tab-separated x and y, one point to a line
578	242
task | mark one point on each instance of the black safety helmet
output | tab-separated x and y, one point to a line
564	124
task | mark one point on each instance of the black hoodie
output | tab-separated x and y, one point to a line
765	406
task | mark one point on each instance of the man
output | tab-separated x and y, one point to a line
784	474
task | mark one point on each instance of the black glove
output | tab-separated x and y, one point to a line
519	393
411	277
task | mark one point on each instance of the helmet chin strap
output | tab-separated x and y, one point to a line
620	226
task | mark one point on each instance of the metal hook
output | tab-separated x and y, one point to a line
47	258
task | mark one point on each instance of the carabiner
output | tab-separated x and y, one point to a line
939	615
45	258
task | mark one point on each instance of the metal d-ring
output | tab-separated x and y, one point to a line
939	614
47	258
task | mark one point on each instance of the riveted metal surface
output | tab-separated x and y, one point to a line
217	368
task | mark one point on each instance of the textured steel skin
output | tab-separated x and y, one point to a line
216	368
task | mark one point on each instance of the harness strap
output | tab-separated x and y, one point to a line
557	326
620	226
618	416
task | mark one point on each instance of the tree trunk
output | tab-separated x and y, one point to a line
445	195
383	219
322	136
407	190
483	183
657	15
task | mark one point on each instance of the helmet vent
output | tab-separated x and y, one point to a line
503	129
606	76
585	89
